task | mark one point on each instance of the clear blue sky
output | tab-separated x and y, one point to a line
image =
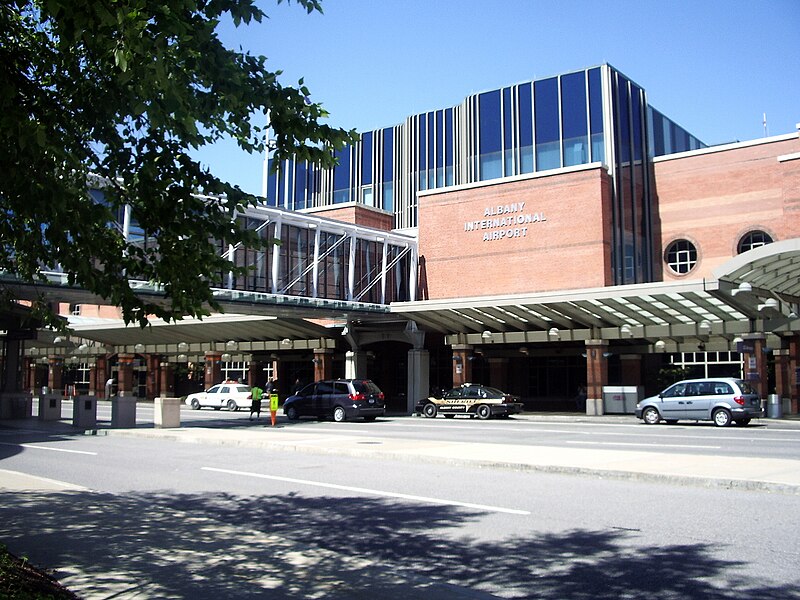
713	66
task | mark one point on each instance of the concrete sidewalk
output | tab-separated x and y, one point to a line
740	472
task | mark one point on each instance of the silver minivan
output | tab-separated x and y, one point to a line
718	399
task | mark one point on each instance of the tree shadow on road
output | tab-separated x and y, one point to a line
219	545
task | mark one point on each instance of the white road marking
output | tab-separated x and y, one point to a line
346	488
659	445
36	447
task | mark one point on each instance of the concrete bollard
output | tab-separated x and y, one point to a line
50	407
167	412
84	412
123	412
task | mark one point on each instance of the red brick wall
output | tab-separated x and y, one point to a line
357	215
713	199
570	248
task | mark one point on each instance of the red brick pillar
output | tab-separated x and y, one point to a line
55	373
462	365
103	372
255	373
213	370
153	381
596	375
125	374
167	384
783	379
794	373
323	364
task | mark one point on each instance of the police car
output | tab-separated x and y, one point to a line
470	399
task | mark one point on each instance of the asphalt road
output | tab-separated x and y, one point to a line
141	518
764	438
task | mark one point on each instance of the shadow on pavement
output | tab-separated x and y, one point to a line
219	545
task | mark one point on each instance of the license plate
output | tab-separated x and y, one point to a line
372	400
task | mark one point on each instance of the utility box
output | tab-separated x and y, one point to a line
84	412
167	412
50	407
621	399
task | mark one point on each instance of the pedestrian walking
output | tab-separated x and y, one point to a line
255	404
109	387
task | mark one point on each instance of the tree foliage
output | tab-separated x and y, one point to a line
124	91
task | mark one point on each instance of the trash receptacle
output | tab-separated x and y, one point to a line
774	407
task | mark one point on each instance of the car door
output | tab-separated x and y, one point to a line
321	405
220	398
701	400
304	400
673	402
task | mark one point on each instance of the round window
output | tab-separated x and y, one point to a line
754	239
681	256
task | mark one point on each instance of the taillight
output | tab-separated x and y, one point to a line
356	397
739	400
380	396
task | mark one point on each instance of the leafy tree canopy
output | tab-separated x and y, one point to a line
124	91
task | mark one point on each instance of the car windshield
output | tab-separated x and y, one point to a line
366	387
745	387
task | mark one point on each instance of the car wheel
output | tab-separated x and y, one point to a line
232	406
291	414
338	414
195	404
650	416
722	418
483	412
429	410
743	422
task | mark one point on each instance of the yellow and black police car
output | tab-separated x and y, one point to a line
470	399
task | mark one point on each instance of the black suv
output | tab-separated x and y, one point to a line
341	399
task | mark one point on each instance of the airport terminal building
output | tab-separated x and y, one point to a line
550	236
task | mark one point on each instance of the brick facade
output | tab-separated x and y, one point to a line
357	214
558	239
713	198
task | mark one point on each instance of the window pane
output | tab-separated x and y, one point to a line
366	158
596	115
341	177
548	151
490	135
573	114
525	128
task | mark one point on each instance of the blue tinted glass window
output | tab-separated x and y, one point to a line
422	137
596	115
300	186
526	128
490	135
636	114
431	150
366	158
623	114
448	146
574	118
341	176
439	148
548	147
508	138
388	154
272	182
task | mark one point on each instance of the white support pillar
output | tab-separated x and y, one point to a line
355	364
315	272
418	378
383	271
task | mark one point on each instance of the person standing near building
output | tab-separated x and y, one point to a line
109	387
255	405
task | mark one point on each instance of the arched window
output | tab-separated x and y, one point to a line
754	239
681	256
